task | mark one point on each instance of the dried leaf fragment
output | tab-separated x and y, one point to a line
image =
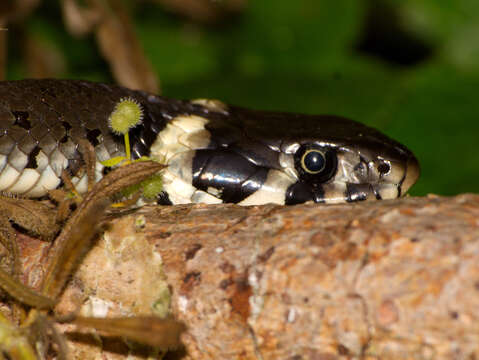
23	293
79	20
120	46
150	330
37	217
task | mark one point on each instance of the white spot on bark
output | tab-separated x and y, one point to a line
99	307
182	303
291	315
256	301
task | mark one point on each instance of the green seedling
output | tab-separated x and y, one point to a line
127	114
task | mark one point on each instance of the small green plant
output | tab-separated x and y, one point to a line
127	114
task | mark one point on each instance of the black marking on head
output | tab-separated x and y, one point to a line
32	158
231	174
255	152
300	192
21	119
402	181
356	192
163	199
253	183
92	136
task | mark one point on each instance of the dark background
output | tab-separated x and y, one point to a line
409	68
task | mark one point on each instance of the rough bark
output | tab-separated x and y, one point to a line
388	279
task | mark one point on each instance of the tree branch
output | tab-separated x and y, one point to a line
385	279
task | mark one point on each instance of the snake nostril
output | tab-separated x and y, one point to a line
384	168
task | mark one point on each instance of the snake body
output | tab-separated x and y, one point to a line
215	153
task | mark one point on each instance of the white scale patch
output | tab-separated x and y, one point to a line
30	182
37	182
175	146
56	158
179	135
272	191
81	183
286	161
8	176
48	181
388	191
17	158
203	197
25	181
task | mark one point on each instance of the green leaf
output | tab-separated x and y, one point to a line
113	161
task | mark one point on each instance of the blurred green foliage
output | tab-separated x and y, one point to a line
302	56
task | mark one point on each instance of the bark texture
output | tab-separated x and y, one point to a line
387	279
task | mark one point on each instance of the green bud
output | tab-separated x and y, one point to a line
126	115
151	187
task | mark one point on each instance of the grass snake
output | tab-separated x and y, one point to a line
215	152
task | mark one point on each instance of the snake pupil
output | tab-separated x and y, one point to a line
313	161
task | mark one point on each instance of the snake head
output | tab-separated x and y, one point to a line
334	159
372	167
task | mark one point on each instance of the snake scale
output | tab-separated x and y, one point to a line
215	152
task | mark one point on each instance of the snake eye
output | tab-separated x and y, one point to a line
315	164
313	161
